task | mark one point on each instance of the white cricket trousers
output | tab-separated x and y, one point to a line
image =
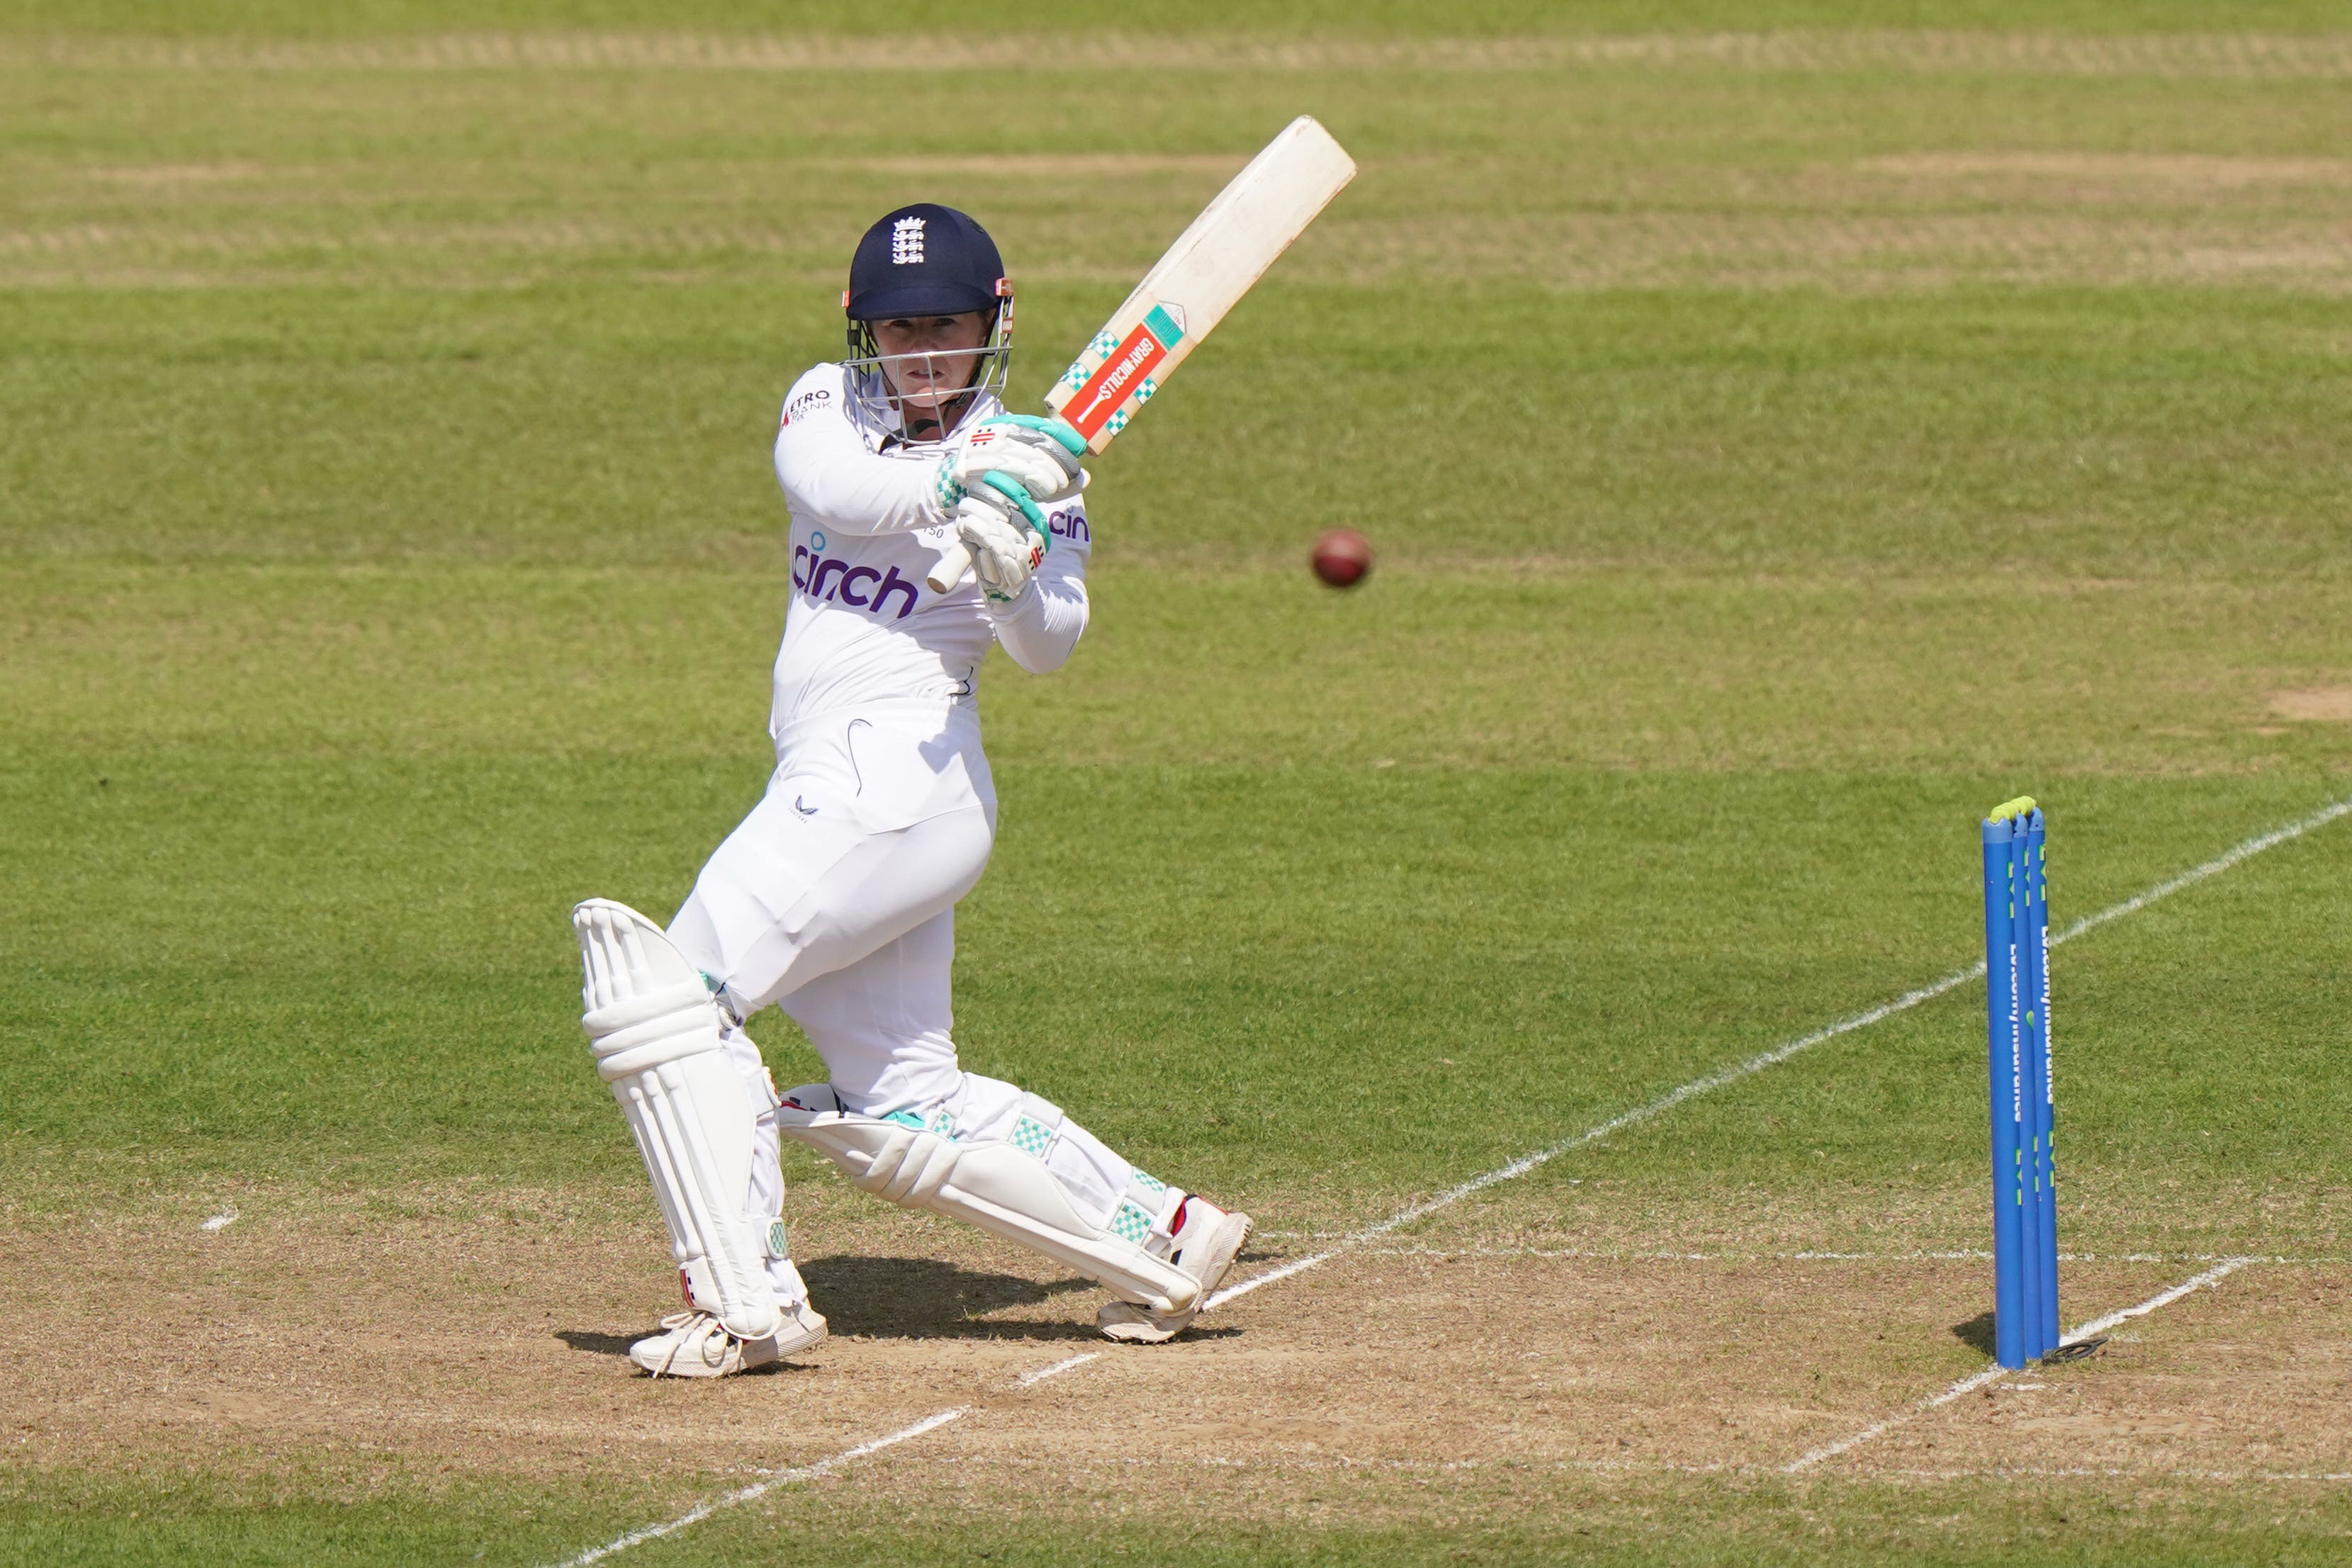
835	899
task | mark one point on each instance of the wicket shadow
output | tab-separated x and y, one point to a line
1976	1333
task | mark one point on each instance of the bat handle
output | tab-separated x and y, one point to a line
954	561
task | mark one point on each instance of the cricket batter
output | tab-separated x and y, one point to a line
836	898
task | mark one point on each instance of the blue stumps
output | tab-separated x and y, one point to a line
2002	1053
2043	1099
2017	1017
2037	1255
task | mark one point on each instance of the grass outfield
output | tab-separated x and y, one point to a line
1779	446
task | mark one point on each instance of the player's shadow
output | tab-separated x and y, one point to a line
916	1298
925	1298
1976	1333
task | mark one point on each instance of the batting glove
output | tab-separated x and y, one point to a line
1006	535
1038	455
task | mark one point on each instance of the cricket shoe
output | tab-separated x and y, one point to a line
695	1344
1205	1242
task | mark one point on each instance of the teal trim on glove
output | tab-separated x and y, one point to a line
1072	442
945	491
1012	490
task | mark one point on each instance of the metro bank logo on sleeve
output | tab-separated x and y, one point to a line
808	402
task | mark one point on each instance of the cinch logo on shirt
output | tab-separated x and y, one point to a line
829	580
1069	525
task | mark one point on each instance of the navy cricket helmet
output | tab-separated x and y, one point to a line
925	260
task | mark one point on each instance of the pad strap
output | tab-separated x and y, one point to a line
641	1033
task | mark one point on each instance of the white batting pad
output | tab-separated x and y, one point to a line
655	1030
1000	1185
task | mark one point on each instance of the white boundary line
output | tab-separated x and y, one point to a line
1526	1163
1994	1373
1777	1054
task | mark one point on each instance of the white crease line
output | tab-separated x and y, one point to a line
1621	1255
1777	1054
2213	867
1969	1385
1345	1464
1995	1472
701	1511
1969	1255
2098	1326
1059	1367
1994	1373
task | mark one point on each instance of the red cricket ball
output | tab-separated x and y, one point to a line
1342	556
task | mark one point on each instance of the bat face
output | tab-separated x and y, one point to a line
1188	291
1186	294
1115	375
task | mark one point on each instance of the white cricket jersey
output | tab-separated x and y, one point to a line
863	627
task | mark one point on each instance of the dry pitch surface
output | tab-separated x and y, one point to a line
1454	1377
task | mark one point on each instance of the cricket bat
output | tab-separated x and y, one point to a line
1187	292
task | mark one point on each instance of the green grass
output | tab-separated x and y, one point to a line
1061	19
1551	1518
386	560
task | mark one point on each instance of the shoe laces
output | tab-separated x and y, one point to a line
680	1327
